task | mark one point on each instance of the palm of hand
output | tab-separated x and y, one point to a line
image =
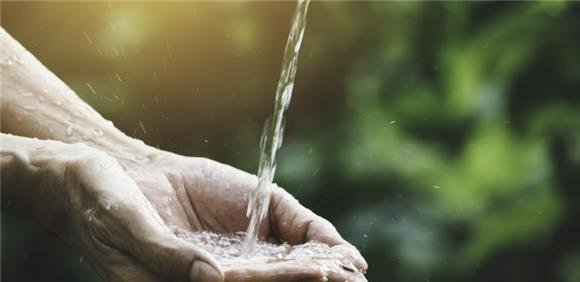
196	194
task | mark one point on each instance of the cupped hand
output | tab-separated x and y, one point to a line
198	194
86	197
120	214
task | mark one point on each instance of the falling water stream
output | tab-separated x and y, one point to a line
240	250
273	132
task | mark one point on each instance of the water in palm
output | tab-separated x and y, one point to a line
273	132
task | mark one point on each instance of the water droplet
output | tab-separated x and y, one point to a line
142	127
156	78
97	132
81	259
91	88
365	236
436	186
87	38
140	158
7	63
393	122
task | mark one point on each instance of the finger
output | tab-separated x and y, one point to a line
339	272
116	266
166	254
345	275
293	270
124	219
349	254
284	271
297	225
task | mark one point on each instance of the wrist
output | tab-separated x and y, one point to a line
132	152
125	149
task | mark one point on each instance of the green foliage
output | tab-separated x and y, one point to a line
441	138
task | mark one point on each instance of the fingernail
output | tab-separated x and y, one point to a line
203	272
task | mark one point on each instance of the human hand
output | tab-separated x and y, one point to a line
86	197
197	194
111	208
118	212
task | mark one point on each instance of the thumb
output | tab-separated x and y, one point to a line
135	228
201	271
178	260
169	256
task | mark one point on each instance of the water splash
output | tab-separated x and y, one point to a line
273	132
227	250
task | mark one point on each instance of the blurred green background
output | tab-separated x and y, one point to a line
441	138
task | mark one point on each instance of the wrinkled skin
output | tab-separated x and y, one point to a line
116	199
200	194
118	212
